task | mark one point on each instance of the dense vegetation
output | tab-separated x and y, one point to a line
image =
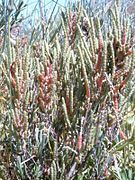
67	95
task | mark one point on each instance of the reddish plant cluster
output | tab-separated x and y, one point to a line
121	53
72	27
120	77
12	71
14	84
45	80
100	49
